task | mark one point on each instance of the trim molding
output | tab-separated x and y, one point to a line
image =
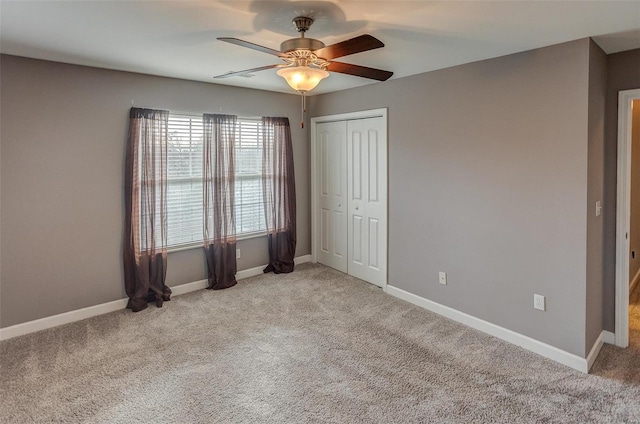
116	305
595	350
258	270
623	215
608	337
533	345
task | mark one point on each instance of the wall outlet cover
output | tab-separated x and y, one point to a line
442	276
539	302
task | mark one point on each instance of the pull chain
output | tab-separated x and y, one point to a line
304	109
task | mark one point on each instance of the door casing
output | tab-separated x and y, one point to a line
623	212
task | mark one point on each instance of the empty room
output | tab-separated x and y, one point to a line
319	211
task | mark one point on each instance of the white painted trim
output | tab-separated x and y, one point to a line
189	287
116	305
533	345
61	319
608	337
364	114
625	99
595	350
259	270
634	282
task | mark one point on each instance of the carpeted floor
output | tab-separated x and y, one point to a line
623	364
313	346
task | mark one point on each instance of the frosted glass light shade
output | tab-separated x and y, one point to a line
302	78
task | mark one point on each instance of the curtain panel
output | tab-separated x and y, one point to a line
218	206
145	226
278	185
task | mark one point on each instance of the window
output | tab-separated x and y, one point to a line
184	180
249	197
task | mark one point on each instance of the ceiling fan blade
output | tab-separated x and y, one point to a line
242	43
359	71
354	45
248	71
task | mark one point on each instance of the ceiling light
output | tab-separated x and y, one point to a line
303	78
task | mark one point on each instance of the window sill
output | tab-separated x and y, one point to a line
198	245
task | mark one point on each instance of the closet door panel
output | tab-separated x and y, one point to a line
367	158
332	203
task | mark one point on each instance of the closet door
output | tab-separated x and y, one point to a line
331	161
367	199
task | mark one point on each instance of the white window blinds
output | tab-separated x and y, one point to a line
249	197
184	180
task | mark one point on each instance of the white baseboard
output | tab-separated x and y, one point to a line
116	305
61	319
608	337
595	350
189	287
533	345
259	270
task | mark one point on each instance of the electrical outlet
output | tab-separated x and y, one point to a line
443	277
237	253
539	302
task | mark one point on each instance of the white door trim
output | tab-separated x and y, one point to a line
623	215
373	113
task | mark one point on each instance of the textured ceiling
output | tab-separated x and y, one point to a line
178	38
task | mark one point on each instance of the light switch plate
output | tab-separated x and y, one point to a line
237	253
598	208
443	278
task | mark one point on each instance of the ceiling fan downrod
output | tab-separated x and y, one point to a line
302	24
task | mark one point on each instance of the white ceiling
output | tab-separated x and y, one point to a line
178	38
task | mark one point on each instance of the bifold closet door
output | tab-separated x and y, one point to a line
331	160
367	199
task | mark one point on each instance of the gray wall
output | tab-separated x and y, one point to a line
63	130
634	230
595	186
622	74
488	182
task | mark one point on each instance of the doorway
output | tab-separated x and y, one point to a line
623	219
349	193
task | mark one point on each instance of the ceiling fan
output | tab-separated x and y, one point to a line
307	60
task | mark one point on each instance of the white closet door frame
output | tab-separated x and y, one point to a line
374	113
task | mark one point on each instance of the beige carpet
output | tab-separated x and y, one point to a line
623	364
314	346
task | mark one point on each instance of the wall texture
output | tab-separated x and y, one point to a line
63	130
622	74
595	186
488	182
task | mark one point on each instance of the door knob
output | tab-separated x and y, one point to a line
357	208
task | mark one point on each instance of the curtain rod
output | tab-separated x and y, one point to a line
180	112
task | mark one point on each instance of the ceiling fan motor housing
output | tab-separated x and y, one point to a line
302	24
301	44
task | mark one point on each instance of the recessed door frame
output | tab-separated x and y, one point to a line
623	215
315	231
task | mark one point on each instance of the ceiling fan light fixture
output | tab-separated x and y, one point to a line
302	78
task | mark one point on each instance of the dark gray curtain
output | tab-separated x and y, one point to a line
145	225
278	185
219	192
